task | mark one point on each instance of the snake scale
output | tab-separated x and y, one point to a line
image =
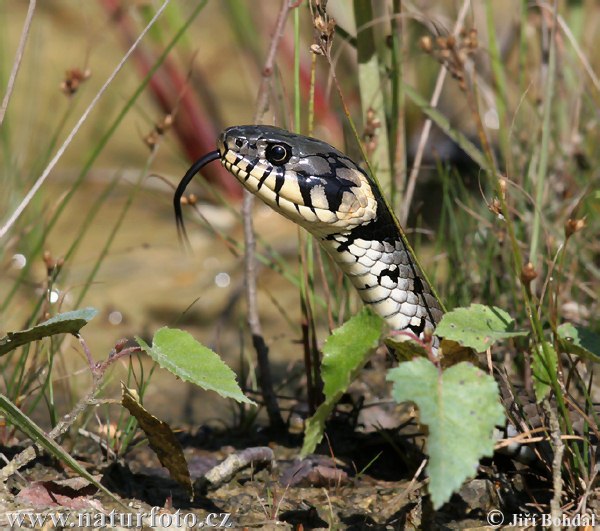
318	187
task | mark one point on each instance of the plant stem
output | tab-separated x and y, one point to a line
261	348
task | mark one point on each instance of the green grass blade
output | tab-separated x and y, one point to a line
38	436
371	93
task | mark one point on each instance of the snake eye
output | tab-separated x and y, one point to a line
278	154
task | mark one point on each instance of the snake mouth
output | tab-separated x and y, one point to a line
190	174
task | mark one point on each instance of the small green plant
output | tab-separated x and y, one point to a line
172	349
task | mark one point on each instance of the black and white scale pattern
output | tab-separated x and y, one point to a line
324	191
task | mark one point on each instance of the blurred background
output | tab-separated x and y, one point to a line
101	230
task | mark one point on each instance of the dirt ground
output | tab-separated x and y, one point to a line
361	478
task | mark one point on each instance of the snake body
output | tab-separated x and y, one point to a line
318	187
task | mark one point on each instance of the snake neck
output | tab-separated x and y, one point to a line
377	261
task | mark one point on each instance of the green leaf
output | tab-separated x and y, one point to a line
63	323
460	406
178	352
579	341
543	368
345	352
405	349
37	435
477	326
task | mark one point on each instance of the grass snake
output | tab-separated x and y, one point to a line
318	187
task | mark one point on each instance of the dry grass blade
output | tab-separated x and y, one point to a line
59	153
18	59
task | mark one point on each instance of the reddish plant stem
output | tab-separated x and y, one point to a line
193	124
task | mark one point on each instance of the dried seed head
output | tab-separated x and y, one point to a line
151	139
473	41
73	79
573	225
528	273
452	52
163	126
160	128
495	207
168	121
426	44
372	124
324	29
47	257
503	185
51	264
444	55
316	49
320	23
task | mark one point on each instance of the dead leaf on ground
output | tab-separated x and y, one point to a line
74	493
161	439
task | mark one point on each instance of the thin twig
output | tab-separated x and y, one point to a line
261	348
18	58
225	470
437	91
399	500
42	178
573	41
559	449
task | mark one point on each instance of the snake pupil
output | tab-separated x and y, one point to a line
278	154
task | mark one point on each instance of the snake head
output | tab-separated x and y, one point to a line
305	179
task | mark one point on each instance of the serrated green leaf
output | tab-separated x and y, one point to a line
543	368
460	406
315	427
178	352
63	323
579	341
477	326
345	352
